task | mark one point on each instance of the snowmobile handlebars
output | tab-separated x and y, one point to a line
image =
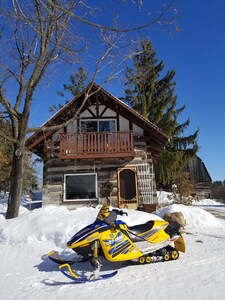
120	212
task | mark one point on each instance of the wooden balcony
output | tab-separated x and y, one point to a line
83	145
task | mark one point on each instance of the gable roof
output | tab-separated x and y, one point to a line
155	134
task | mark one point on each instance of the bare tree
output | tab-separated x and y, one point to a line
37	34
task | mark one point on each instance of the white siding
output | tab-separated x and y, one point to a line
87	114
72	127
56	135
108	113
137	130
124	123
124	126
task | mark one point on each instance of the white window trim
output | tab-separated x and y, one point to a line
77	200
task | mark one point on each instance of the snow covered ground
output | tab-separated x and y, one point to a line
26	273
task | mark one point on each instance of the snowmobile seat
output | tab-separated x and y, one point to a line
137	229
173	228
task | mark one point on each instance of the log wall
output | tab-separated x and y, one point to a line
106	169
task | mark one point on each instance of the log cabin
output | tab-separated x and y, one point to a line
103	144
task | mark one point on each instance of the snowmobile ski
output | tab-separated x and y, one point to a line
69	273
55	257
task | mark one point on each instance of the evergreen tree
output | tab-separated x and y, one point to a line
218	190
184	186
153	96
6	152
76	84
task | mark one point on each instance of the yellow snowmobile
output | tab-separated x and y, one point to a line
112	239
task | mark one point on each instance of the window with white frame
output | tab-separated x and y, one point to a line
98	125
81	186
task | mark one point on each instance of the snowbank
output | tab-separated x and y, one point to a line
207	202
58	224
194	216
25	240
166	198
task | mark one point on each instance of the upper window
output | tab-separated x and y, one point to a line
80	186
89	126
98	125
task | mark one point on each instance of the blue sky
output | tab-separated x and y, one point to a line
197	53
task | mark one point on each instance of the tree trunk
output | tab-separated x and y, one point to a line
181	198
16	182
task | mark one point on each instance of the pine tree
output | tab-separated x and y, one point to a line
153	96
76	84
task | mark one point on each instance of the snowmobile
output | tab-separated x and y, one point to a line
113	240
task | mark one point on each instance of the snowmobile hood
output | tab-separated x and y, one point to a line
97	226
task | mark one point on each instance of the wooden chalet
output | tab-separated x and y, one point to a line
106	142
200	178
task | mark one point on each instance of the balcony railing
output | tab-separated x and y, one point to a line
83	145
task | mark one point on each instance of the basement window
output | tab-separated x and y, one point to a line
80	187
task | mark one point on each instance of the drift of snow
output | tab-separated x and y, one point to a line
26	273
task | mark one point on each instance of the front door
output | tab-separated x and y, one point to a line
127	188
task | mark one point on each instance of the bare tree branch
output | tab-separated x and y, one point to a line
7	105
107	28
